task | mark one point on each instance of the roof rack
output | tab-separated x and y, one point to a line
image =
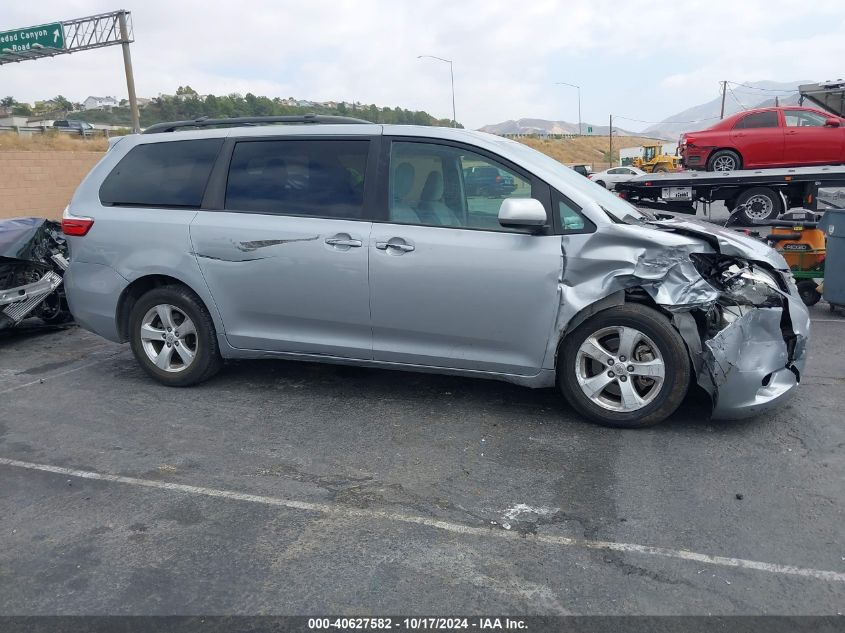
250	120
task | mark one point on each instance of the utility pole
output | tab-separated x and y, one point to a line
130	78
724	90
610	142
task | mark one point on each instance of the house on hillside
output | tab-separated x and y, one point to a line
99	103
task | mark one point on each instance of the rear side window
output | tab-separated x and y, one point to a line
317	178
803	118
758	119
171	174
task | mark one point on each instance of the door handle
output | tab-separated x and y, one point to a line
343	241
792	132
383	246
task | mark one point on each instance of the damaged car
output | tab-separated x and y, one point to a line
33	258
336	240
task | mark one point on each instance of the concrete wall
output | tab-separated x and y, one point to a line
41	183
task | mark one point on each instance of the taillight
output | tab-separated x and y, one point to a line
75	225
498	179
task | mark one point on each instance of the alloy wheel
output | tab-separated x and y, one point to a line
169	338
620	369
724	163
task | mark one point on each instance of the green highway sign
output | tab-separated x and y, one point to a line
22	40
589	129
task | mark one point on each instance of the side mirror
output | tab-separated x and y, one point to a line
522	213
831	122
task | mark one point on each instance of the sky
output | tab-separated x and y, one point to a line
637	59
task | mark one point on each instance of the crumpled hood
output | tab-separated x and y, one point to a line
30	239
726	241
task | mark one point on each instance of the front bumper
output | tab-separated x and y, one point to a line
757	362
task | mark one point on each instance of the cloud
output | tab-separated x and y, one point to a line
632	58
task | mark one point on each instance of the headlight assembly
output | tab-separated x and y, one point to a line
741	281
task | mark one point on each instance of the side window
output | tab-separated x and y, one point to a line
571	220
758	120
802	118
318	178
169	174
440	185
617	170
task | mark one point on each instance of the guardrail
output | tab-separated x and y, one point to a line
22	130
543	136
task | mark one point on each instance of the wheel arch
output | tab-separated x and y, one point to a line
634	294
725	148
140	286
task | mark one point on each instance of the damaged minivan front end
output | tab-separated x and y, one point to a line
731	298
751	343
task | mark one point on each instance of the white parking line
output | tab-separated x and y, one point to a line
457	528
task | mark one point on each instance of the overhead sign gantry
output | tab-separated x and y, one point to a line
72	36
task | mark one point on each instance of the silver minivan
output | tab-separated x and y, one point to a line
336	240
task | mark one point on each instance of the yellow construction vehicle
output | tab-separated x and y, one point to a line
654	160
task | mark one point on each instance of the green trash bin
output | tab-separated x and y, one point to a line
833	225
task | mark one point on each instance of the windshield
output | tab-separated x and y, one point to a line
614	206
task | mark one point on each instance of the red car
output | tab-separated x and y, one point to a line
767	137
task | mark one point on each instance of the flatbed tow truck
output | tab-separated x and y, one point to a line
764	193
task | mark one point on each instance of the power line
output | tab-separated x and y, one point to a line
763	89
627	118
739	103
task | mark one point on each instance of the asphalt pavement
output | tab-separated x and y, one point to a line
298	488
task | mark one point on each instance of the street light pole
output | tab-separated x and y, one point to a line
452	78
130	78
578	88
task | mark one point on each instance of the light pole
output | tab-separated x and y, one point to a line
452	77
578	88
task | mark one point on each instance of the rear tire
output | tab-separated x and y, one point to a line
174	358
763	204
641	390
658	170
724	160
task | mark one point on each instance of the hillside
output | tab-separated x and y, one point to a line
756	94
189	106
543	127
584	149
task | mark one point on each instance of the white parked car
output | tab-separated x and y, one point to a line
609	177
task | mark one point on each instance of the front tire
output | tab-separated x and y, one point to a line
809	291
602	183
173	337
625	367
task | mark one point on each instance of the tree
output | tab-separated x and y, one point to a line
63	103
8	102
